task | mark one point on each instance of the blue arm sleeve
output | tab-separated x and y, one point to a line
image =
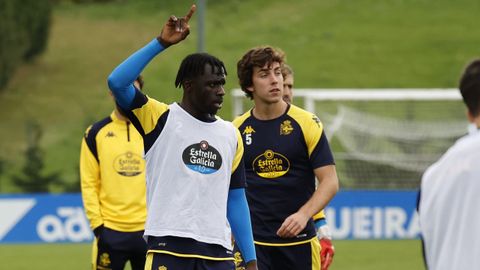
238	215
122	77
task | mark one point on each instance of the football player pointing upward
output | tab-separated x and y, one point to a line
194	161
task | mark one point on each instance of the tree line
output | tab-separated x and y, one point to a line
24	33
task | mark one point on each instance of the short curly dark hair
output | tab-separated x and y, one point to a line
256	57
470	87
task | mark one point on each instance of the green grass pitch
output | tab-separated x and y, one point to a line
350	254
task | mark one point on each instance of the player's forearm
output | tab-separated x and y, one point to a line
89	184
238	215
93	215
315	204
122	77
326	190
91	205
90	197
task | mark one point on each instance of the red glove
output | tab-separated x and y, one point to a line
327	252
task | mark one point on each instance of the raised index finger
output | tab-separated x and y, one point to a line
190	13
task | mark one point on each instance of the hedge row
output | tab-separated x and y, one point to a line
24	32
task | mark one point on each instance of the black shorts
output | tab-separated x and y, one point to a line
304	256
113	249
156	261
178	253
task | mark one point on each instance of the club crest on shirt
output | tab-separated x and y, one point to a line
162	267
202	157
316	120
271	165
129	164
286	127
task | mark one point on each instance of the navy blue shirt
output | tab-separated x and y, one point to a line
280	156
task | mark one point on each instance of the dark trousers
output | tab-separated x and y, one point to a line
113	249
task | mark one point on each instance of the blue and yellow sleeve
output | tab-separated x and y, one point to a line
238	214
238	178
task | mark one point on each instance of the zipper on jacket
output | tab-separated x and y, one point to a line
128	131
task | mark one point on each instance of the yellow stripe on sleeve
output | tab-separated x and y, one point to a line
319	215
239	152
237	122
311	126
149	114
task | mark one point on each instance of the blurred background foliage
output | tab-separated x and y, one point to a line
24	33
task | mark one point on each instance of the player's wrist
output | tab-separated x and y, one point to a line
165	44
252	264
323	232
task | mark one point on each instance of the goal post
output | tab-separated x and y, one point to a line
383	138
310	95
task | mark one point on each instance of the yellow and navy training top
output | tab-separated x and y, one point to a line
112	171
280	156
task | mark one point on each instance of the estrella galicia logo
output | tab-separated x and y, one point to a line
271	165
202	157
129	164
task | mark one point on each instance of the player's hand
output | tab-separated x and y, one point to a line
251	265
176	29
327	252
293	225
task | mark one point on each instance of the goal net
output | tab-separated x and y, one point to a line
383	138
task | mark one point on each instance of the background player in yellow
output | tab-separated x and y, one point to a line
285	150
194	161
323	231
112	171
